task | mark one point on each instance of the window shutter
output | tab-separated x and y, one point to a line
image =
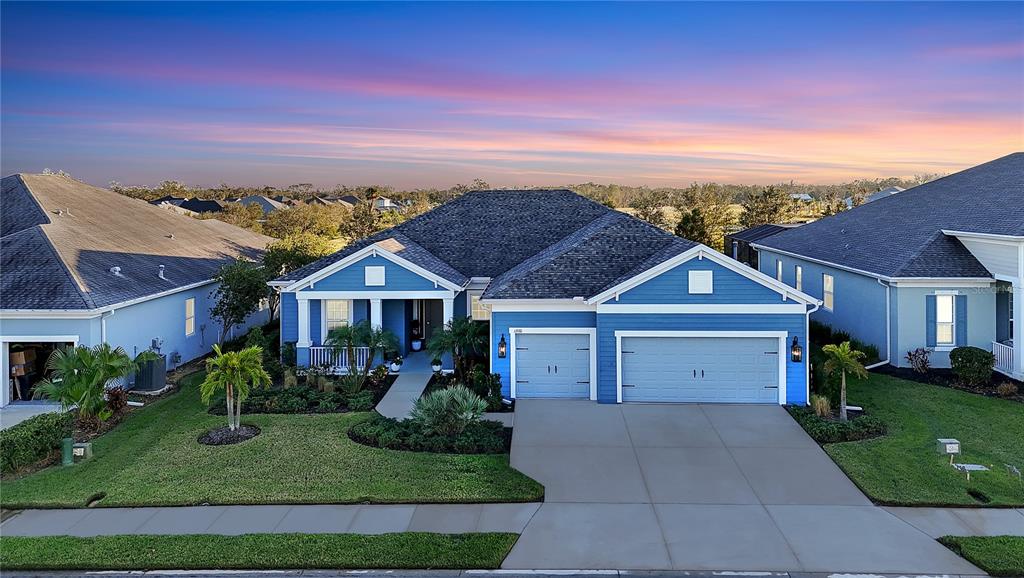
961	320
929	320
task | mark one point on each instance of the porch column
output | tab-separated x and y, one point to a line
1018	328
303	323
375	313
449	310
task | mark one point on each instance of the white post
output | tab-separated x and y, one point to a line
303	323
375	313
5	393
449	310
1018	328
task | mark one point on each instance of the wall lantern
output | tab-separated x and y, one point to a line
502	347
796	352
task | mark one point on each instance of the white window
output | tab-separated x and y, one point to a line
828	291
799	278
945	315
778	269
479	311
374	276
190	316
701	282
337	313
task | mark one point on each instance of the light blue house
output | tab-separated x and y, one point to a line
937	266
581	302
83	265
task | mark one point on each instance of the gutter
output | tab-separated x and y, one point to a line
888	327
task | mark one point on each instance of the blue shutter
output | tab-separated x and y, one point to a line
961	320
929	320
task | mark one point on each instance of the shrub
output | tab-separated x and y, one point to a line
1007	389
840	336
447	412
820	333
919	359
33	439
870	351
362	401
827	431
298	399
482	437
972	365
821	406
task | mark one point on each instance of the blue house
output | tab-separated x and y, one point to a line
581	301
937	266
83	265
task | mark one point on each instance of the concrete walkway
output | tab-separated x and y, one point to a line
19	411
412	380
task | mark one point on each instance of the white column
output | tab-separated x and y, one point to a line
303	323
449	310
375	313
1018	328
5	364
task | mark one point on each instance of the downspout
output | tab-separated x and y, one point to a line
888	327
807	344
103	325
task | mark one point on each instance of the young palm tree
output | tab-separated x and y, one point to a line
462	338
236	372
841	359
362	334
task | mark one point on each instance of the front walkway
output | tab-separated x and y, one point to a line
19	411
412	380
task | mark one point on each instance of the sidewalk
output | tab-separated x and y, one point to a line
412	380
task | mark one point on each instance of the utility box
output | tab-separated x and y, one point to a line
152	375
948	446
82	451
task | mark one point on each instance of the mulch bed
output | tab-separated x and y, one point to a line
944	377
223	436
442	381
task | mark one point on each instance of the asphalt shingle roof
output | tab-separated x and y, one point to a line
63	260
757	233
900	235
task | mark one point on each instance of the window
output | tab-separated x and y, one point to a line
799	278
190	316
945	315
336	313
374	276
479	311
828	291
701	282
778	269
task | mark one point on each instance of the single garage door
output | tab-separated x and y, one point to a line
552	365
700	369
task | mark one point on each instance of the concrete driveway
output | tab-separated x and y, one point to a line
700	487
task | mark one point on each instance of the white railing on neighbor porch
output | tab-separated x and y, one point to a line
1004	357
336	358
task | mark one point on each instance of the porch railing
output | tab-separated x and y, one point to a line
1004	357
336	358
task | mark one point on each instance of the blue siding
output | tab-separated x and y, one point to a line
501	321
395	321
460	308
352	278
289	318
87	330
608	324
672	287
315	317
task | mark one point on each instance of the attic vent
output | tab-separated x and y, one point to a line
170	235
116	271
161	273
68	212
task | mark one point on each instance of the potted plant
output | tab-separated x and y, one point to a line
396	364
435	364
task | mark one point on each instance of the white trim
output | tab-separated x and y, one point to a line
527	305
377	251
193	332
308	295
706	308
591	331
39	338
831	292
5	366
90	313
993	237
700	281
375	276
323	317
702	252
780	335
943	282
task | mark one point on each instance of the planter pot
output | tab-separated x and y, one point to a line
395	367
417	344
436	368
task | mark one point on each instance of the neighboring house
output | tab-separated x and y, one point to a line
169	199
176	209
350	200
203	205
874	196
264	203
801	197
84	265
737	244
581	301
385	204
939	265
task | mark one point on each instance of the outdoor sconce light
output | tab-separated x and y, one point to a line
502	347
796	352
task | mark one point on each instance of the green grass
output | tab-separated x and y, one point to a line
997	555
257	551
153	459
903	467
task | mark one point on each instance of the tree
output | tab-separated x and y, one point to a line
362	334
244	216
236	372
649	205
79	377
706	215
840	360
832	203
289	254
241	286
366	220
771	205
463	338
320	220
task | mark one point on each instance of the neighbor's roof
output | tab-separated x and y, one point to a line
759	232
901	235
60	238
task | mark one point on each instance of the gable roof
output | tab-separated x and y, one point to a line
900	235
759	232
265	203
61	237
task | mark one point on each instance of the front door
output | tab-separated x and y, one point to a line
433	317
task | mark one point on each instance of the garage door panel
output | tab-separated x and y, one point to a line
700	369
552	365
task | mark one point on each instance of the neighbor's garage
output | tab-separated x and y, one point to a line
552	365
704	369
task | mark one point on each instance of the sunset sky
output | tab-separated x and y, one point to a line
418	95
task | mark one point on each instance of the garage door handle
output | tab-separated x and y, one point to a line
694	373
556	369
522	381
702	374
549	369
628	385
771	387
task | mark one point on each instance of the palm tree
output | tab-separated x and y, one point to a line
462	338
236	372
362	334
842	359
79	376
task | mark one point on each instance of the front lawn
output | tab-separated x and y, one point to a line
903	467
153	459
257	551
997	555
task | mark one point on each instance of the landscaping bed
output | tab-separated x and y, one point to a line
407	550
944	377
326	398
997	555
831	430
483	437
487	386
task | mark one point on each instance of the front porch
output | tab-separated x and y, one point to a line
1008	346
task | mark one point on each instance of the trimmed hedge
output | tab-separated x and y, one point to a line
972	365
33	439
827	431
482	437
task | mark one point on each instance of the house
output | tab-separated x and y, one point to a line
874	196
580	301
169	199
267	204
350	200
84	265
737	244
939	265
203	205
801	197
385	204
